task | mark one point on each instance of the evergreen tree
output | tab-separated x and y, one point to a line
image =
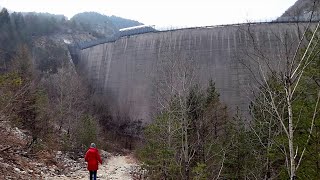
4	17
273	108
201	132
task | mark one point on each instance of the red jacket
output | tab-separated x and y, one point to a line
93	158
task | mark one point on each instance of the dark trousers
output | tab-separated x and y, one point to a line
93	175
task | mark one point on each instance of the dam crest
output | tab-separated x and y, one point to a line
126	69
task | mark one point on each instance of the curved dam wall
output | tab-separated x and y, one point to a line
125	70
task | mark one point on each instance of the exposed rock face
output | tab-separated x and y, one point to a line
302	11
18	162
126	70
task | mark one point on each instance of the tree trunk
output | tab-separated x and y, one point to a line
290	129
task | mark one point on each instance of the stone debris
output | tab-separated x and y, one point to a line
17	163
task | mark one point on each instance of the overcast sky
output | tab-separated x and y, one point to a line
163	12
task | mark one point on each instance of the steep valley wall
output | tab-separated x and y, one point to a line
126	71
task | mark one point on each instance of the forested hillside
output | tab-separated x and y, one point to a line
123	23
102	24
45	106
302	10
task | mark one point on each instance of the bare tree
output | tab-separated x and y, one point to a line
192	122
177	76
68	97
287	68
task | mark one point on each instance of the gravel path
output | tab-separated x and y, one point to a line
115	168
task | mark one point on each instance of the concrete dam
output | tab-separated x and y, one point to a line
126	70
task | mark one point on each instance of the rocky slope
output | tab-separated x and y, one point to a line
17	161
302	10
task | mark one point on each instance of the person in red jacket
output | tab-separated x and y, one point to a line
93	158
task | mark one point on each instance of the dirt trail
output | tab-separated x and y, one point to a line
115	168
17	163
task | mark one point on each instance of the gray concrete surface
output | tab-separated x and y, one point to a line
126	70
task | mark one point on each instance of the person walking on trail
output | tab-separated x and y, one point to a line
93	159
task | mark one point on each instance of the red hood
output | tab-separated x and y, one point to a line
93	158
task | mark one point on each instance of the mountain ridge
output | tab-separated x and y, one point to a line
302	10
